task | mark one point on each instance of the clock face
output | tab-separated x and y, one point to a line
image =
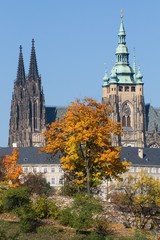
126	109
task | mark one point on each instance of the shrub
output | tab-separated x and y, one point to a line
85	207
45	208
102	227
28	220
53	210
81	214
66	217
15	198
28	225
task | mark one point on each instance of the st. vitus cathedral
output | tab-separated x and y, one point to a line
122	90
27	118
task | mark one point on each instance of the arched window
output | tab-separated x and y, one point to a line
128	121
124	121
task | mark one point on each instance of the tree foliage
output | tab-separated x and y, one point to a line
82	213
36	183
139	195
15	198
83	136
12	170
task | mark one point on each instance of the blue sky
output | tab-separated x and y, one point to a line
73	40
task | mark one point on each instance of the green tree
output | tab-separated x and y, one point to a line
15	198
36	183
84	137
139	195
81	215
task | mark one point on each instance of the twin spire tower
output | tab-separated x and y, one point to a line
27	117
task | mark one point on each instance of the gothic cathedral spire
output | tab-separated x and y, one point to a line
27	117
33	69
20	71
123	91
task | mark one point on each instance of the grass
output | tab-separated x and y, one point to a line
11	231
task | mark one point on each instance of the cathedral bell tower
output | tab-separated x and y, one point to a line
123	91
27	117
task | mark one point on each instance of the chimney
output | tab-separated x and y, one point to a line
140	152
14	145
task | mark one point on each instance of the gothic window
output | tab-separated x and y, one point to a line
17	120
132	89
120	88
126	89
35	116
126	119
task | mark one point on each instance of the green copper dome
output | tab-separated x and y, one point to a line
105	79
139	76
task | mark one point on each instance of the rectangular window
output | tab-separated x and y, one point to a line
153	170
52	169
61	181
60	170
34	170
25	170
53	181
45	170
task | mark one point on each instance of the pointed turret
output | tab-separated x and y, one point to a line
105	78
124	71
122	50
20	71
122	32
33	69
139	76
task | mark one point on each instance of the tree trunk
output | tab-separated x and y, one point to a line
88	179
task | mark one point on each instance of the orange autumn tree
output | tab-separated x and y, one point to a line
12	170
83	136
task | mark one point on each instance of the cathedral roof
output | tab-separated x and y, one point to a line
54	113
152	118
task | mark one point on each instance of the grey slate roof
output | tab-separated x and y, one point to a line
152	118
151	156
31	155
54	113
